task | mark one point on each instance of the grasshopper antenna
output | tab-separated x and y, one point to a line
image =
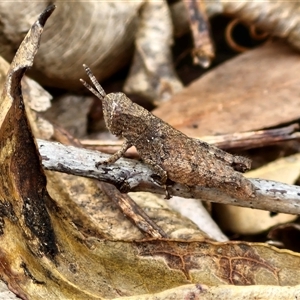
100	93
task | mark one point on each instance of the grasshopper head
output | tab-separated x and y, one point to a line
121	115
115	106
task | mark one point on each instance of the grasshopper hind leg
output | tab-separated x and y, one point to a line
161	173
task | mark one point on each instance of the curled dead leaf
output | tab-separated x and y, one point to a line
102	35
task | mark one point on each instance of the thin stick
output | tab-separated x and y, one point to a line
132	211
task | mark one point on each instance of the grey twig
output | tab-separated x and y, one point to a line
132	175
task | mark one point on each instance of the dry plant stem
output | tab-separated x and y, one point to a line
254	139
238	140
135	176
133	211
152	74
203	52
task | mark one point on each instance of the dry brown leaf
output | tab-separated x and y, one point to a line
257	89
83	200
175	225
22	206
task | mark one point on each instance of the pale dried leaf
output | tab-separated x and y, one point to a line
175	225
229	292
5	293
196	212
285	169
